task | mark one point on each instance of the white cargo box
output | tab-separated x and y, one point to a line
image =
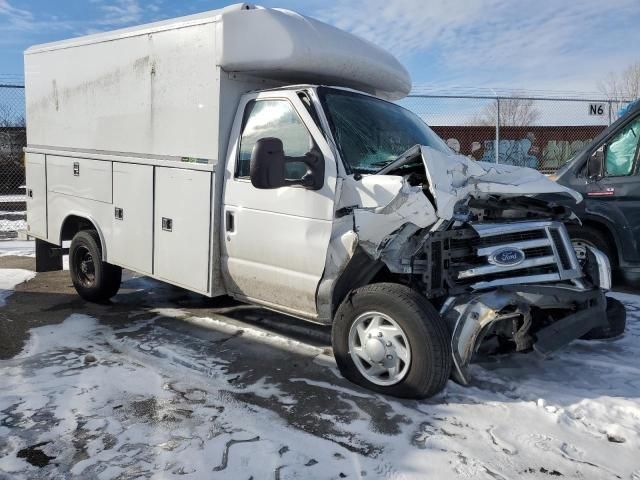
126	129
170	89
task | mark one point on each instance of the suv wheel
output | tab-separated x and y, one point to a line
583	237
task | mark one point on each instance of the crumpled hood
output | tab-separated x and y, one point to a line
454	177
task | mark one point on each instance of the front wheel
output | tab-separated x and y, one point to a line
93	279
389	338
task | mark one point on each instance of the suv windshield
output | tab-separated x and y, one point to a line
371	133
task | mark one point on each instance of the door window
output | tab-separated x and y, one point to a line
622	150
274	118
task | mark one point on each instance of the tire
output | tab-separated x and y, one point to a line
429	365
93	279
617	318
588	236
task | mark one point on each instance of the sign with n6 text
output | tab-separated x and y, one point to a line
597	109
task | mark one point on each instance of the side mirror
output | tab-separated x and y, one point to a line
268	166
595	166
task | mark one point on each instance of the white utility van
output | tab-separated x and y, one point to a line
255	153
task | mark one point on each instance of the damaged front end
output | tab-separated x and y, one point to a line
545	317
497	262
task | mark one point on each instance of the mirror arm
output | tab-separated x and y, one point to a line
311	159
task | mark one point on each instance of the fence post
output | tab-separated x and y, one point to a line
497	148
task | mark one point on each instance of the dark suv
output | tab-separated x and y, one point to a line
607	174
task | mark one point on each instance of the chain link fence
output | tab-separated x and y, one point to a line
540	133
13	138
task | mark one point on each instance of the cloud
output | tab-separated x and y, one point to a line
500	41
402	26
21	24
121	12
15	16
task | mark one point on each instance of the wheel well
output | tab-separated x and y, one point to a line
361	271
606	232
74	224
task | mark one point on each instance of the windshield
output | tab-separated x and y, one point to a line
371	133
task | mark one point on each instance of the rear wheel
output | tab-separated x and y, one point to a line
93	279
389	338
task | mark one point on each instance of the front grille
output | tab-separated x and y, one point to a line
510	238
560	246
538	252
548	255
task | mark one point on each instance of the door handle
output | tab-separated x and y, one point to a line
229	222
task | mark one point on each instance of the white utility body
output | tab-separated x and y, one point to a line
232	152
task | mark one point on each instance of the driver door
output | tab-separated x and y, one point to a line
617	188
275	241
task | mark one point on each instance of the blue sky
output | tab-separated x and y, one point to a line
455	44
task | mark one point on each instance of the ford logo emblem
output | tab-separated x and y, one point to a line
507	257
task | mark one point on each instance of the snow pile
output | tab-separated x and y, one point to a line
9	278
153	399
109	415
18	248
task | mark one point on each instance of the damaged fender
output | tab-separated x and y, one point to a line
405	208
389	206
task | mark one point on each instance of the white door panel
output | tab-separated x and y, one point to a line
272	254
182	221
296	201
80	177
275	251
36	195
132	223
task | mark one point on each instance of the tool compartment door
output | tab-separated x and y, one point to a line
36	195
132	218
80	177
182	227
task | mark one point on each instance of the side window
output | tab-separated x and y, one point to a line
622	150
274	118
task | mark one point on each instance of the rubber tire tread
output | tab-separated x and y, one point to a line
594	237
426	330
108	276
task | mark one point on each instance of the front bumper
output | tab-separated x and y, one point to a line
471	318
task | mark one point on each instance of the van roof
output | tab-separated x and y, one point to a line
279	45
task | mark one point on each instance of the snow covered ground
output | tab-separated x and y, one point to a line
166	394
20	248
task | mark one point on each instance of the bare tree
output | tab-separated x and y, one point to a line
514	112
622	86
12	141
8	118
